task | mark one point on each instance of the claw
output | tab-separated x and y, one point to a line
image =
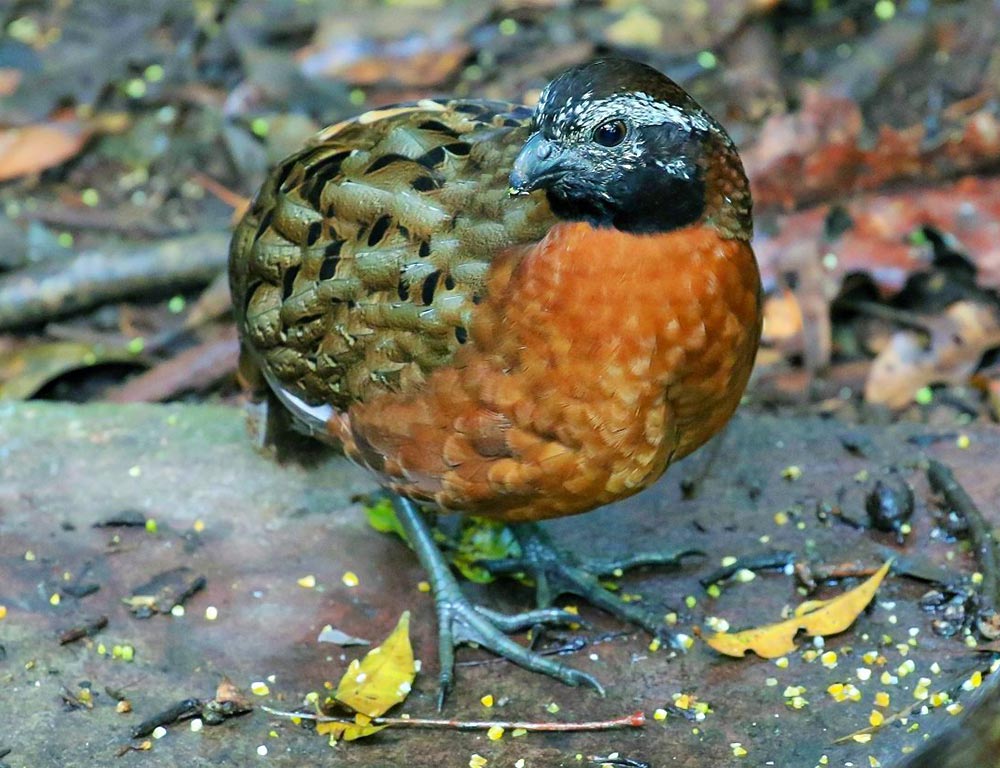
556	572
459	621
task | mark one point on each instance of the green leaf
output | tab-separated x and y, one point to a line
482	539
382	517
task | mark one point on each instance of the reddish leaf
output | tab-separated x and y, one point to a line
33	148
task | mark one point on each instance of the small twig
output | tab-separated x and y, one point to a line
762	561
73	701
84	630
943	481
195	368
108	220
182	710
635	720
91	278
618	761
883	312
234	200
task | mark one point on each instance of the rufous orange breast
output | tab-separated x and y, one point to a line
596	358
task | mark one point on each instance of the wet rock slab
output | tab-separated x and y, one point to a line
253	528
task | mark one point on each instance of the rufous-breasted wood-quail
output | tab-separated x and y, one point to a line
508	312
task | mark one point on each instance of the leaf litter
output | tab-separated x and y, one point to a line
817	618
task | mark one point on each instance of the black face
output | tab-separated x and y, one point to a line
618	144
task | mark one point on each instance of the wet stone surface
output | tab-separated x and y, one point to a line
253	528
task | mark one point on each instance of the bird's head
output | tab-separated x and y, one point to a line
618	144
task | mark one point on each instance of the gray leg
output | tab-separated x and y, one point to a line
459	621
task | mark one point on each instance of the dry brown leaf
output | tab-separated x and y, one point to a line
637	27
10	79
958	339
782	318
815	618
375	684
33	148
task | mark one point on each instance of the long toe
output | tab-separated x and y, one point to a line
558	572
519	621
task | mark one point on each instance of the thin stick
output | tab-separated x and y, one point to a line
943	481
635	720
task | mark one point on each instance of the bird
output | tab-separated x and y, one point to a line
513	312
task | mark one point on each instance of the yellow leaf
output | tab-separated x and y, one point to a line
383	678
815	617
347	731
374	684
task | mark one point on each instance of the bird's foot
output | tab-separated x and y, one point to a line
460	621
557	572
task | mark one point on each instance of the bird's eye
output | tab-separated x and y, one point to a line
610	134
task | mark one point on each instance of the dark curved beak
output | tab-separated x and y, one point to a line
539	161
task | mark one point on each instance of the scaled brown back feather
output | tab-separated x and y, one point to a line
356	269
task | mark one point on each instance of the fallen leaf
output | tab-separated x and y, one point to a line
482	539
392	45
196	368
782	318
10	79
958	338
382	517
24	371
36	147
375	684
878	243
638	27
823	151
815	617
479	539
338	637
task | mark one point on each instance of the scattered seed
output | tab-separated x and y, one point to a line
974	681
